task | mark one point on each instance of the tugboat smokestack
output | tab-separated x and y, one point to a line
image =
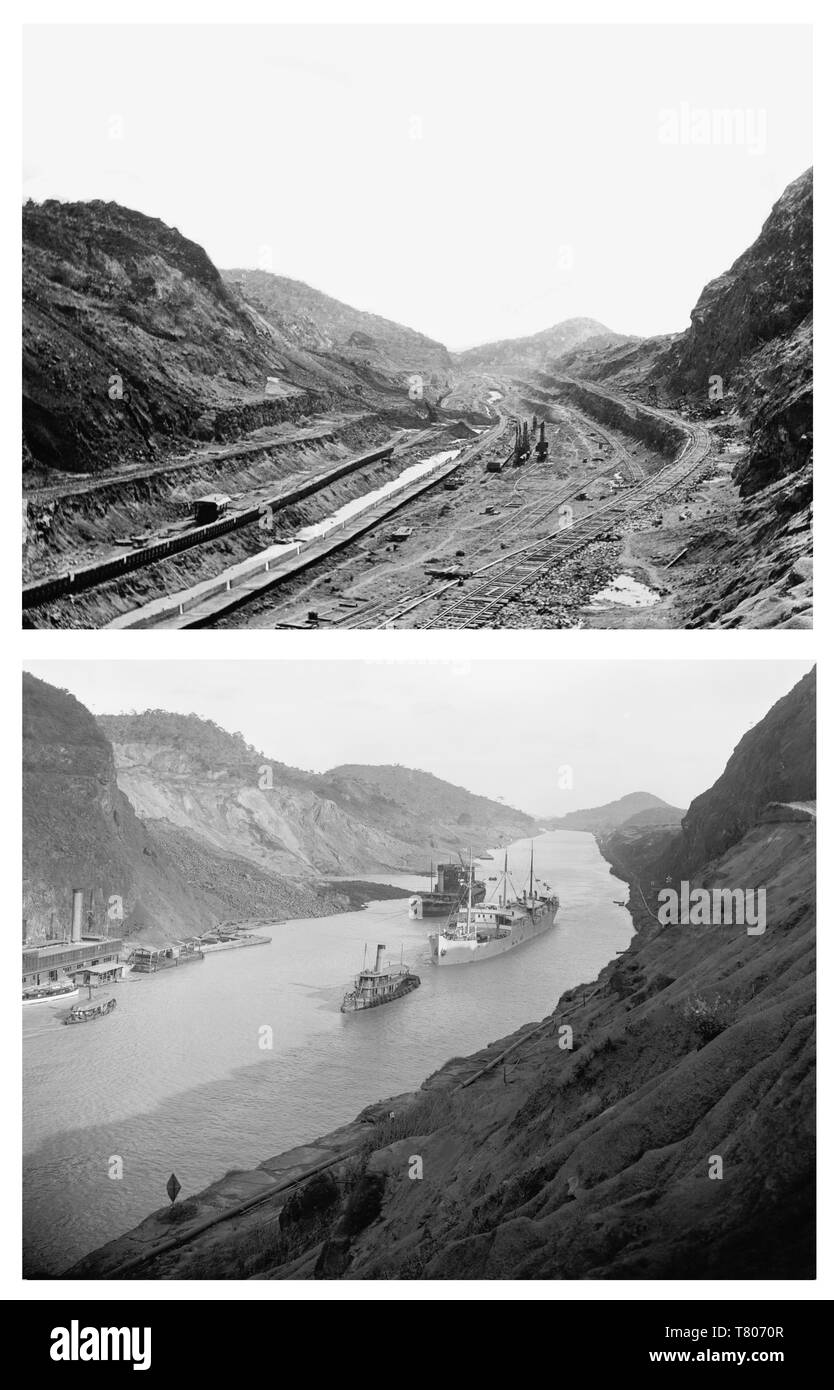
379	951
77	913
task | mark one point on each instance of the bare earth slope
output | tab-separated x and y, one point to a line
81	831
184	770
133	340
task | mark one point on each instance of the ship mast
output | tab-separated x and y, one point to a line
504	883
531	870
469	898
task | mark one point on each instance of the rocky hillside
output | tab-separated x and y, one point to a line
81	831
512	354
188	772
752	328
658	1124
598	819
415	797
774	762
764	297
132	340
594	1162
320	324
751	339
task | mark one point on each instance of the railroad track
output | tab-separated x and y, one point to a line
114	567
529	516
232	589
503	579
509	576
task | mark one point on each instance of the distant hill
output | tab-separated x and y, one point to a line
515	353
633	807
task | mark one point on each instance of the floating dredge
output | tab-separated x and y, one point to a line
379	986
452	880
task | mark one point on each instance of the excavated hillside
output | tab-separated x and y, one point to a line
745	364
320	324
133	341
81	831
185	771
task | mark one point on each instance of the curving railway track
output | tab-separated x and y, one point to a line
509	576
497	583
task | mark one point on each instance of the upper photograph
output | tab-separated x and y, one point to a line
417	327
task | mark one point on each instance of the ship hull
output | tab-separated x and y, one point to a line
54	997
446	951
351	1006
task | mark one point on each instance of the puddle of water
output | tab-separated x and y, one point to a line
625	591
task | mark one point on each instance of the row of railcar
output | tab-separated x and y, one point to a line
89	576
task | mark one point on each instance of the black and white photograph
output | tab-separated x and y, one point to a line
417	326
359	971
439	922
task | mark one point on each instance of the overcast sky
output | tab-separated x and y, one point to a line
472	183
504	729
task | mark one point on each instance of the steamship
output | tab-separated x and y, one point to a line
379	986
479	932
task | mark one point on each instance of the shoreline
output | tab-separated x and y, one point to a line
232	1197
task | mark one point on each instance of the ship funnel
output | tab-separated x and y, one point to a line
379	951
77	913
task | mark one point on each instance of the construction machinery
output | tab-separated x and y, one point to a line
542	448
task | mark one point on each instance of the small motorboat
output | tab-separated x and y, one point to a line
77	1015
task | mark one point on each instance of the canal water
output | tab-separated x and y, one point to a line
178	1079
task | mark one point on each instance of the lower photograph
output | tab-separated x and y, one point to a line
418	970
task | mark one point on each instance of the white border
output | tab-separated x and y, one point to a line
613	646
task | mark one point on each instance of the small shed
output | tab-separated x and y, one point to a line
210	507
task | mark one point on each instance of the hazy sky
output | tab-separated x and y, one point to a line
501	728
471	182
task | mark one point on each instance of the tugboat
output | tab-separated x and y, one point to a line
77	1015
379	986
490	929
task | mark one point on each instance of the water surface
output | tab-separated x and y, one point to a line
177	1079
